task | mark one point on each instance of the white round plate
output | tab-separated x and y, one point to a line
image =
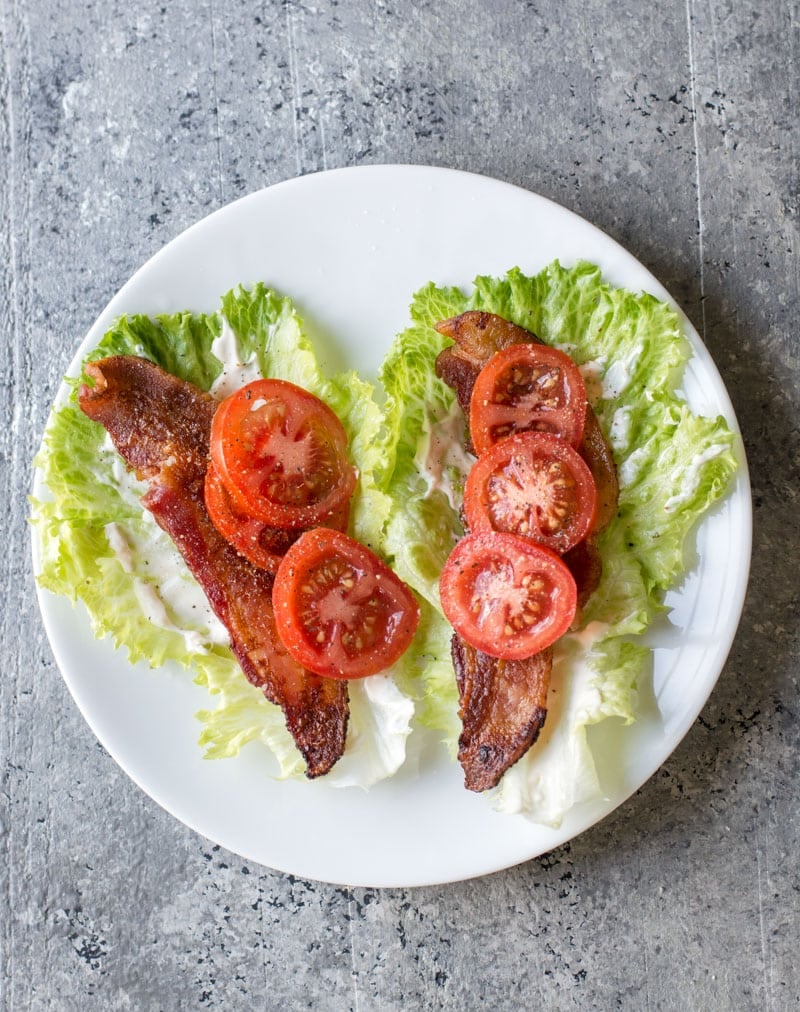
351	246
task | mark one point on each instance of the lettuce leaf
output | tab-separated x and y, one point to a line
673	466
100	547
422	525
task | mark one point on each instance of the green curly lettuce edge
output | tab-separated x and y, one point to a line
630	347
78	469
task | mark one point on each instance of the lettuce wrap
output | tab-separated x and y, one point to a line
100	546
672	467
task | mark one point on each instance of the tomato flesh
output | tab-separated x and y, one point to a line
506	595
258	542
282	454
533	484
340	611
527	387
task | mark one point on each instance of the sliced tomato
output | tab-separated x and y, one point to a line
340	611
507	596
533	484
258	542
282	454
523	387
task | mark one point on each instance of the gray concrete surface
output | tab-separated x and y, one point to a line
671	126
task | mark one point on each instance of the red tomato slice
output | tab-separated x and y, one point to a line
258	542
340	611
533	484
523	387
507	596
282	454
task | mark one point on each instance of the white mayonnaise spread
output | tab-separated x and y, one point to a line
236	373
168	594
629	469
620	428
618	375
155	612
690	476
130	488
120	546
607	382
441	458
592	373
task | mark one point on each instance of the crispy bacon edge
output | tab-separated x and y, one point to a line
160	425
503	704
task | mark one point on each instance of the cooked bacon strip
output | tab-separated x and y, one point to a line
586	566
503	704
597	453
477	337
160	425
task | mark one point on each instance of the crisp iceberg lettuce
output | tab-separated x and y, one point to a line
99	546
672	466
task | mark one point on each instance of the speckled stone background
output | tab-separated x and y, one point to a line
671	126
